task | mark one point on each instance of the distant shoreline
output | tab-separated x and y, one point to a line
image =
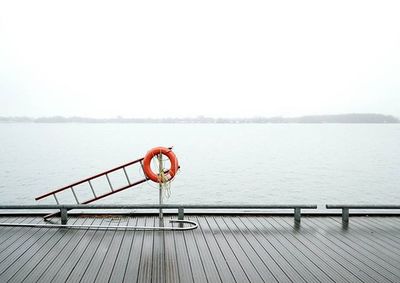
363	118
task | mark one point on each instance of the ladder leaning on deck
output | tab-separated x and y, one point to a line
89	180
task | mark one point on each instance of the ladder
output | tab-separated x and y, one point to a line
112	189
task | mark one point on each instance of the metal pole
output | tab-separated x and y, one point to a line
160	169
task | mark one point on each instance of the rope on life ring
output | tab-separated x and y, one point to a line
163	177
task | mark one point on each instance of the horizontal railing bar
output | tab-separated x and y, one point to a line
357	206
87	179
193	226
156	206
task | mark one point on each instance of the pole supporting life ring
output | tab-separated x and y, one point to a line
147	164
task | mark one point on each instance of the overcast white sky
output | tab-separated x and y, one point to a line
188	58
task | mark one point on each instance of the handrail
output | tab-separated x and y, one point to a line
360	206
346	208
156	206
64	208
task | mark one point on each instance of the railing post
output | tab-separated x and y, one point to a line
345	215
181	215
64	216
297	214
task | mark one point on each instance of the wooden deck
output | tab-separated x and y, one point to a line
222	249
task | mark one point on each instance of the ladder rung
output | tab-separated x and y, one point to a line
55	197
126	175
72	189
91	187
109	182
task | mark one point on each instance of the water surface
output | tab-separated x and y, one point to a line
220	163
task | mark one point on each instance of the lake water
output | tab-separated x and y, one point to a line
220	163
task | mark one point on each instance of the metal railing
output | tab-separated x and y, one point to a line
346	208
63	209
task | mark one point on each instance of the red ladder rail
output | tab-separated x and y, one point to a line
89	179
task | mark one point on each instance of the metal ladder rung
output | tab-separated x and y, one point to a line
109	182
55	197
91	187
76	198
126	175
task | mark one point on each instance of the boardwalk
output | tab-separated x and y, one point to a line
222	249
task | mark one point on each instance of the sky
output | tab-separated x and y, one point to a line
214	58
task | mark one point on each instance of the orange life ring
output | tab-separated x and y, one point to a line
147	162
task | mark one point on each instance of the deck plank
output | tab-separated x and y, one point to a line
27	264
388	249
247	261
116	256
207	238
170	259
329	262
225	248
134	257
99	256
261	251
183	260
146	257
56	253
351	246
73	258
223	245
358	260
208	263
62	261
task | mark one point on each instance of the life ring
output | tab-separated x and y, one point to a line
154	152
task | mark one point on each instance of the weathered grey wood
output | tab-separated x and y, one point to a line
337	269
260	234
74	256
246	262
29	261
252	243
146	257
387	248
120	263
208	263
170	260
363	252
16	249
134	258
195	259
99	256
246	249
232	261
4	229
89	254
183	258
158	267
350	262
380	254
109	262
362	262
296	250
14	234
22	255
59	257
56	253
222	249
291	256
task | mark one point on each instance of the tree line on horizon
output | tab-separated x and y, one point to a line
340	118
